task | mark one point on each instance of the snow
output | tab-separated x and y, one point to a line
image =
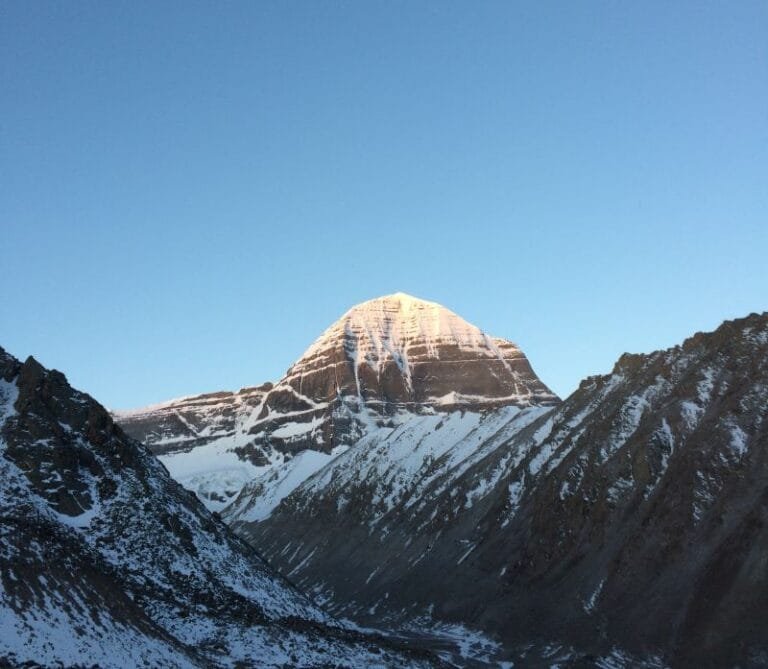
405	466
706	385
541	458
82	520
495	429
199	435
738	440
58	628
760	337
626	423
399	461
292	429
705	488
466	553
9	393
515	494
263	494
551	448
668	438
589	604
550	453
619	488
384	329
620	659
214	470
303	563
691	413
387	323
510	460
149	409
459	645
453	398
60	633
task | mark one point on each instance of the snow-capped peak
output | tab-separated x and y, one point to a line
392	326
394	356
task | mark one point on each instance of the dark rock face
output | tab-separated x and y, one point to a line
183	424
106	561
384	358
633	518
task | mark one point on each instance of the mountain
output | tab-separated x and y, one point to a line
382	363
204	440
627	526
106	561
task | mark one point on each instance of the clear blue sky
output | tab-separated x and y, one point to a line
191	192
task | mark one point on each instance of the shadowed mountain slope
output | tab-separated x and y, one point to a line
632	518
106	561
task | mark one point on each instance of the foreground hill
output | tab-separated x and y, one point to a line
106	561
631	521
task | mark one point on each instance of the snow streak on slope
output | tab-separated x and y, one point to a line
384	329
261	495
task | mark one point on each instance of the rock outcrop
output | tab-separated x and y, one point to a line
106	561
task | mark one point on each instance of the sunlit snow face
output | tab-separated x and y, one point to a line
385	328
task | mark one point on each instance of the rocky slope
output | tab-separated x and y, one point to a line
381	363
106	561
205	440
627	525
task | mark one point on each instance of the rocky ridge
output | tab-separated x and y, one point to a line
629	523
106	561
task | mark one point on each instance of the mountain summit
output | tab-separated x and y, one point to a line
381	363
401	349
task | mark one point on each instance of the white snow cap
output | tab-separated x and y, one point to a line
386	327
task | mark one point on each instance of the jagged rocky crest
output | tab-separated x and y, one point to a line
629	525
106	561
382	362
